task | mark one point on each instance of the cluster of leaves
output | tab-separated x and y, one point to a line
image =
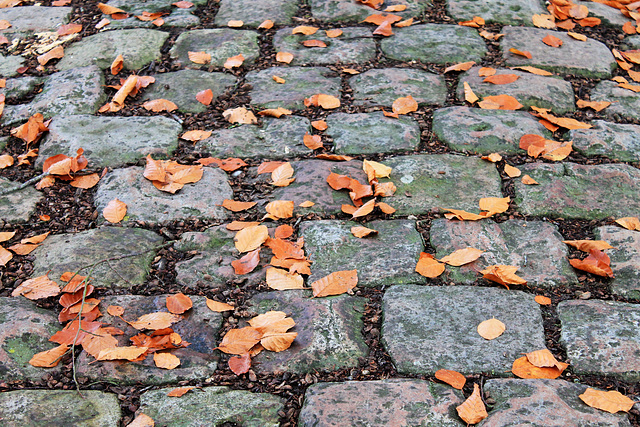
565	14
25	247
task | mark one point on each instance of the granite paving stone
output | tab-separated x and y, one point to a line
602	337
630	43
371	133
74	251
434	43
479	131
216	405
220	43
329	332
613	140
534	246
625	104
384	402
18	88
609	16
176	17
508	12
300	83
588	58
624	259
9	64
349	11
570	190
429	328
27	20
388	258
145	202
253	13
18	205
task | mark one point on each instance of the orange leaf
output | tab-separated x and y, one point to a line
219	306
266	25
512	171
629	222
501	79
522	368
5	256
525	53
404	105
115	310
314	43
178	303
385	208
379	19
463	215
319	125
281	280
250	238
236	206
6	235
334	157
589	22
312	142
239	115
143	420
494	205
384	29
533	70
67	29
328	102
109	10
588	245
500	102
158	105
269	167
596	105
306	204
154	321
596	263
552	41
503	274
235	23
272	322
491	329
199	57
279	80
233	62
428	266
32	130
180	391
247	263
115	211
453	378
85	181
121	353
280	209
196	135
462	256
278	341
37	288
117	65
239	341
336	32
304	29
365	209
275	112
49	358
469	95
5	161
240	364
283	231
205	96
99	340
545	359
611	401
463	66
239	225
55	53
542	300
472	410
338	182
486	71
166	360
285	57
361	232
628	28
335	283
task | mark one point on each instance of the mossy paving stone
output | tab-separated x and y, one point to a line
401	402
220	43
202	199
508	12
177	17
329	332
624	259
588	58
479	131
300	83
18	88
434	43
110	141
630	43
59	408
388	258
625	103
9	64
70	252
253	13
427	182
350	11
19	205
534	246
602	337
613	140
24	331
543	403
199	327
570	190
212	406
429	328
27	20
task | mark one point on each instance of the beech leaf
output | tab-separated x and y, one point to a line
37	288
522	368
180	391
491	329
247	263
239	341
472	410
428	266
166	360
611	401
154	321
219	307
251	238
335	283
453	378
281	280
115	211
178	303
462	256
240	364
121	353
49	358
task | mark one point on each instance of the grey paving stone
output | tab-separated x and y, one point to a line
428	182
27	20
18	88
202	199
543	403
220	43
300	83
613	140
530	89
199	326
58	408
625	104
535	246
276	138
181	87
329	332
71	252
624	259
25	330
434	43
384	402
110	141
19	205
570	190
602	337
371	133
177	17
388	258
479	131
508	12
385	85
589	58
630	43
254	13
345	10
9	65
3	142
216	405
609	15
354	46
430	328
75	91
137	46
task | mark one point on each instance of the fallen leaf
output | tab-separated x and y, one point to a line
463	215
239	225
596	105
629	222
375	170
494	205
500	102
282	280
237	206
240	364
103	23
115	310
597	263
533	70
272	322
49	358
386	189
143	420
32	130
55	53
283	231
275	112
239	341
205	97
5	161
325	101
313	43
180	391
462	256
552	41
166	360
589	22
545	359
233	62
525	53
235	23
472	410
384	29
306	204
228	165
580	37
588	245
117	65
333	33
121	353
503	274
404	105
379	19
334	157
85	181
463	66
6	235
512	171
453	378
501	79
251	238
278	341
99	340
312	142
178	303
428	266
37	288
542	300
239	115
154	321
486	71
219	307
491	329
279	80
196	135
199	57
115	211
365	209
285	57
361	232
159	105
267	24
522	368
304	29
611	401
280	209
247	263
350	71
335	283
560	121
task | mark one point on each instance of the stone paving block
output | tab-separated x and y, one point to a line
588	58
630	43
199	326
434	43
624	259
431	181
110	141
385	85
59	408
300	83
388	258
137	46
348	11
19	205
70	252
530	89
613	140
534	246
543	403
429	328
602	337
25	330
608	15
275	139
329	332
181	87
371	133
401	402
570	190
27	20
9	64
177	17
145	202
75	91
354	46
18	88
220	43
625	104
479	131
508	12
253	13
212	406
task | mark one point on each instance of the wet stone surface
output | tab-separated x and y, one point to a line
220	43
27	20
624	259
509	12
348	11
18	205
613	140
253	13
625	103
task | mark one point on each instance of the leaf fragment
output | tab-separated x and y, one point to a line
49	358
469	95
180	391
629	222
597	263
240	364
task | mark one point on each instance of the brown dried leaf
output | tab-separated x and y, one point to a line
49	358
37	288
306	204
109	10
235	23
503	274
611	401
178	303
237	206
361	232
240	364
629	222
6	235
462	256
239	341
491	329
285	57
280	209
239	115
115	310
472	410
428	266
234	62
335	283
154	321
404	105
588	245
453	378
251	238
247	263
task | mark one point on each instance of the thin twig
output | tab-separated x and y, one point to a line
24	184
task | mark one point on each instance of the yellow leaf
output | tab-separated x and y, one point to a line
251	238
219	306
154	321
503	274
272	322
375	170
629	222
115	211
121	353
491	329
278	341
494	205
282	280
280	209
166	360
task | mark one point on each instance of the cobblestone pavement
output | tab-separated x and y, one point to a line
368	358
